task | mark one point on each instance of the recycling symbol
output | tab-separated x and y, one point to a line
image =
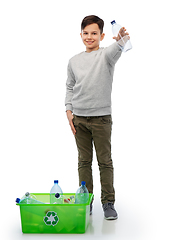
51	218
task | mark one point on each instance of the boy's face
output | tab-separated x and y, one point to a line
91	37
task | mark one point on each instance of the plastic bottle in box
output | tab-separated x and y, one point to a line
55	189
72	199
82	194
61	199
28	199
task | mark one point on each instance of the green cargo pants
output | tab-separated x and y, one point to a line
97	131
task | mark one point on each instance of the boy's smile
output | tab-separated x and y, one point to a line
91	37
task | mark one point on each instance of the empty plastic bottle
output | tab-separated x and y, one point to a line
124	42
55	189
72	199
61	199
28	199
82	194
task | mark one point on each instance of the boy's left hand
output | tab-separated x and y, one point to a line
122	33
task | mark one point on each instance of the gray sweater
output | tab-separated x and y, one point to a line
89	82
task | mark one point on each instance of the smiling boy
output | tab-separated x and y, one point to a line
88	107
91	37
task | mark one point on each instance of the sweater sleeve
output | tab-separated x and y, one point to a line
113	53
69	88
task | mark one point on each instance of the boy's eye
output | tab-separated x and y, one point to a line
85	33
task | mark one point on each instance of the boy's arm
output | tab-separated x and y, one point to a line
68	101
114	51
70	118
69	88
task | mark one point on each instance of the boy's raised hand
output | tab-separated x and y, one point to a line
70	118
122	33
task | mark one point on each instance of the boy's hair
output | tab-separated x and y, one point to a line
92	19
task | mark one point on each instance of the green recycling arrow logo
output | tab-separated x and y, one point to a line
51	218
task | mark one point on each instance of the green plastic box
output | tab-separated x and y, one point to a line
54	218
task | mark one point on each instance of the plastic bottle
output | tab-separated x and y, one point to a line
28	199
82	194
61	199
55	189
124	42
72	199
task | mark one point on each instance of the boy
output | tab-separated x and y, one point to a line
88	107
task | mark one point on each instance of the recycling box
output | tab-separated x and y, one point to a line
54	218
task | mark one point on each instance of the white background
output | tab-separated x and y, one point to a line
37	38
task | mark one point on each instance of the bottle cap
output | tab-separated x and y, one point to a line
57	195
83	183
55	181
27	194
18	200
113	22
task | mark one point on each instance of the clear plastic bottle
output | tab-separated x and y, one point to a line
55	189
82	194
124	42
61	199
28	199
72	199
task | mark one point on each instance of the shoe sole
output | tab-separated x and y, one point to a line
111	218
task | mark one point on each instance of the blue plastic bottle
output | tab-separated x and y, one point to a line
82	194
